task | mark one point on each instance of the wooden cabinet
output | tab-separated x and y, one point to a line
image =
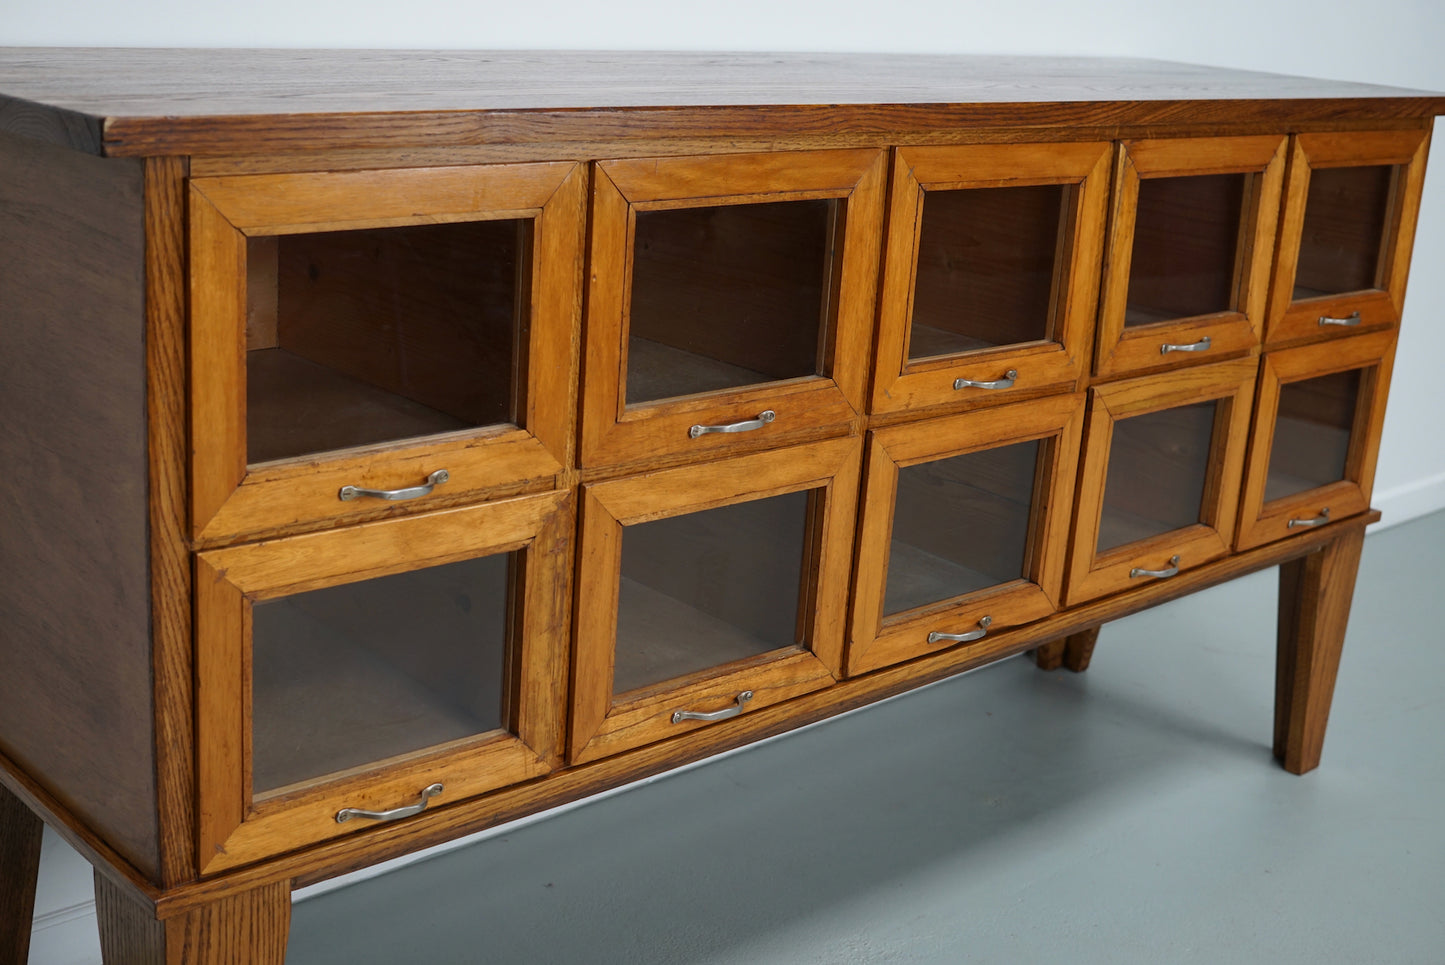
380	468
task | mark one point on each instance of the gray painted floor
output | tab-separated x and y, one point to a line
1129	814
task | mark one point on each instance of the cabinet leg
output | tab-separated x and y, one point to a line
1314	606
248	928
1073	651
20	832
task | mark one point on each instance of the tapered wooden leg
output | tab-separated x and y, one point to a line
1073	651
1314	606
20	833
249	928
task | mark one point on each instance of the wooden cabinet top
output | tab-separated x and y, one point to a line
172	101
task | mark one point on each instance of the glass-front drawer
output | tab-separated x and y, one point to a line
991	271
368	338
1317	427
347	677
965	528
731	301
1351	203
708	592
1159	487
1190	246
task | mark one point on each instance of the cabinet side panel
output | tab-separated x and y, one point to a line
75	665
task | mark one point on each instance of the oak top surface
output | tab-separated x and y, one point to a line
113	82
107	95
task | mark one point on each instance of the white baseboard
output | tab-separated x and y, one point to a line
66	936
1400	504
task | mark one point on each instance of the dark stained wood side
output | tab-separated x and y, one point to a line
75	672
249	927
166	408
51	124
20	834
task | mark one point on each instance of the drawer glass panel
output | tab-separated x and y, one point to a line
709	588
371	336
960	524
358	673
1158	466
1186	247
728	296
987	268
1346	211
1312	433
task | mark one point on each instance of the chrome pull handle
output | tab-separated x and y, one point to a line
1350	320
978	634
349	493
427	793
1200	346
678	716
764	417
1173	570
1007	382
1323	517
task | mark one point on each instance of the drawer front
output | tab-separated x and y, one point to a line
708	592
731	302
990	275
351	670
1350	208
368	342
965	528
1191	238
1162	467
1317	426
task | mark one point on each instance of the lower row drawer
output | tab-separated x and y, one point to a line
366	673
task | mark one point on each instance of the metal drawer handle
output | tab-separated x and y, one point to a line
349	493
1173	570
978	634
427	793
678	716
1007	382
1350	320
1200	346
764	417
1323	517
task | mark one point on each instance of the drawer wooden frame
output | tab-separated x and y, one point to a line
900	384
228	497
1093	574
1293	321
876	641
603	725
1373	354
615	433
234	826
1132	350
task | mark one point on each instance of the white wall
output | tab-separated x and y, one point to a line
1386	41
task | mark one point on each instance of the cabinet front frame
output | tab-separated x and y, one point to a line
615	433
1128	350
234	826
602	724
1293	321
1373	354
230	497
900	383
1092	574
876	640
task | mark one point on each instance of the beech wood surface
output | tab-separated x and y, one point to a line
20	835
198	101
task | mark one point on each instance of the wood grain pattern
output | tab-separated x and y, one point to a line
169	447
369	97
1314	608
250	926
340	856
75	603
1074	651
20	834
